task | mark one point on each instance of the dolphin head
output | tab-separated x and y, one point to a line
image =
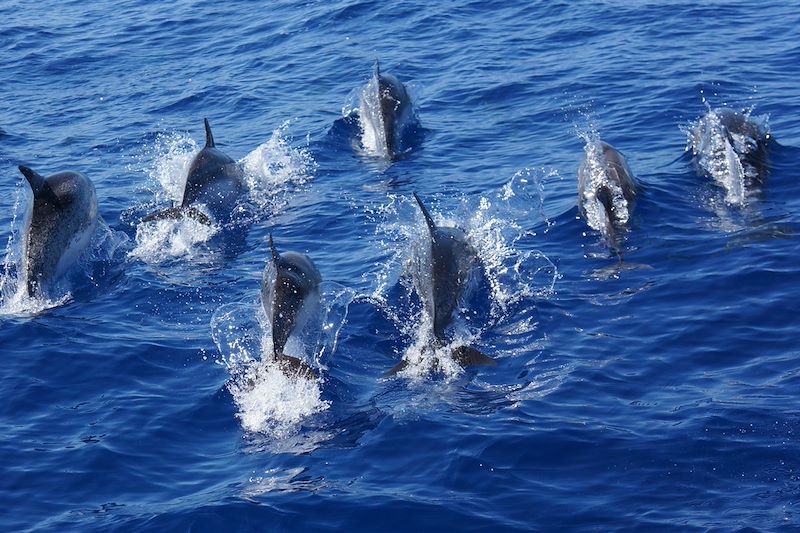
289	282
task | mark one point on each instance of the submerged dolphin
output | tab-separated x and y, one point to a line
386	113
63	220
732	147
214	179
606	189
452	259
289	290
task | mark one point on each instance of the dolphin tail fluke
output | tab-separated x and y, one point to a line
273	250
425	213
175	213
468	356
396	368
294	366
209	135
37	182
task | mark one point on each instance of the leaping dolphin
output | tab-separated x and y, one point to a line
63	220
214	179
606	189
452	259
289	291
386	114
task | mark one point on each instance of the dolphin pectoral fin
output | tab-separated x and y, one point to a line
175	213
293	365
397	368
469	356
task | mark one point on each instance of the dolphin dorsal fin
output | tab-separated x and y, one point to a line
209	135
273	250
377	68
38	184
426	214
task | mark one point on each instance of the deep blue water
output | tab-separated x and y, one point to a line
658	396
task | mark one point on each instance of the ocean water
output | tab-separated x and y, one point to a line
655	388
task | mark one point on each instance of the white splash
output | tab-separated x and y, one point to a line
275	166
158	241
269	401
168	164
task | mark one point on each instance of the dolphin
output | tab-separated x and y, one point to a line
289	291
61	224
386	113
452	259
214	179
603	177
733	148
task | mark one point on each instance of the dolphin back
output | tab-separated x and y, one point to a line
452	259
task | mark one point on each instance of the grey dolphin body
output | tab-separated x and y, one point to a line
62	221
452	259
288	291
214	179
619	181
742	138
394	114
